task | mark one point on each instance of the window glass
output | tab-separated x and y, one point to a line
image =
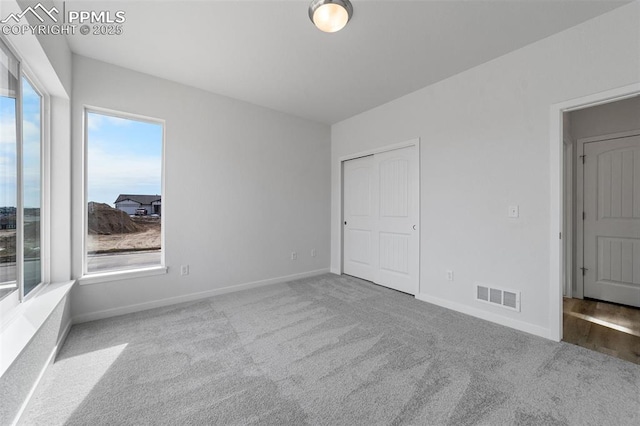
9	72
31	184
124	198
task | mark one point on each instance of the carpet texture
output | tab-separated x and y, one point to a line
327	350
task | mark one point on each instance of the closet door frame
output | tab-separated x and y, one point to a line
410	143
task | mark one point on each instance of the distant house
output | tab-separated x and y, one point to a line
137	204
8	222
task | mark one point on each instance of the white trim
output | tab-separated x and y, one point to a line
610	136
87	277
485	315
50	360
26	72
579	223
108	313
556	211
45	210
567	228
411	142
20	185
45	207
26	320
31	50
8	304
126	274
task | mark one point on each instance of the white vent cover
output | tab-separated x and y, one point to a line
498	296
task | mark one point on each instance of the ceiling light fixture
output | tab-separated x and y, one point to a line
330	15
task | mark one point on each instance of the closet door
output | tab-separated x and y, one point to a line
360	218
398	236
381	237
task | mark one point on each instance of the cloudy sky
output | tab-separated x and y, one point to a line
31	148
124	157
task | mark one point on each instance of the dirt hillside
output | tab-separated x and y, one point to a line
105	220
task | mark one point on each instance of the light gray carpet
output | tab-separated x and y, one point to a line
326	351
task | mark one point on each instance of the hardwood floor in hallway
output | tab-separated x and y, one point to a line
604	327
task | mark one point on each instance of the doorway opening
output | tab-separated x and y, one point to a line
601	228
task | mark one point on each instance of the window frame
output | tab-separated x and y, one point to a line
17	297
45	206
135	272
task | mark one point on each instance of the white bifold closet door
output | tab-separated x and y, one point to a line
380	211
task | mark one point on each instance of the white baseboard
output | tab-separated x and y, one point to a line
485	315
108	313
50	359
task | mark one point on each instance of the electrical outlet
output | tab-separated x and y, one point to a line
313	252
184	270
294	255
514	212
449	275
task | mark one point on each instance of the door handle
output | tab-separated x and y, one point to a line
345	222
414	227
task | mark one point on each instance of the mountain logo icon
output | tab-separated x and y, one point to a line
39	11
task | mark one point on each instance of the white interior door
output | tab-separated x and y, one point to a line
381	211
360	188
398	237
612	220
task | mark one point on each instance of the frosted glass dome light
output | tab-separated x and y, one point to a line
330	15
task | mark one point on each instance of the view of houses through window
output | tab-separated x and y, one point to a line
20	179
124	193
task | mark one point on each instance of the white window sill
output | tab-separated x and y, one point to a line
122	275
24	321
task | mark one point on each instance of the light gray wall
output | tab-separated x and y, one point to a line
60	195
485	145
55	47
614	117
245	186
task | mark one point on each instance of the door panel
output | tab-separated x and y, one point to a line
360	251
381	237
612	223
358	190
399	241
394	252
394	188
359	218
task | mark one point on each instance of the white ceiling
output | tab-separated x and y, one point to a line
269	53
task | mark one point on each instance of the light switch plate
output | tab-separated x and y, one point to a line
514	211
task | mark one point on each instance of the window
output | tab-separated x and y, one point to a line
123	192
31	184
21	147
9	92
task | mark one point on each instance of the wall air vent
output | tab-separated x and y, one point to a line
498	296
